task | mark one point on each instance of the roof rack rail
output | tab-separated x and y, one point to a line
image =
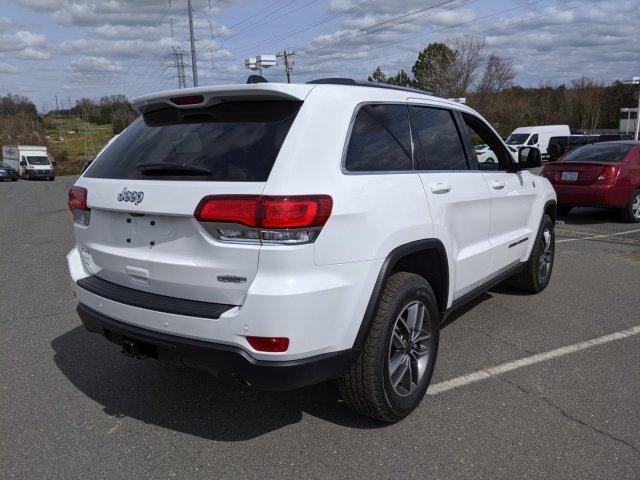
361	83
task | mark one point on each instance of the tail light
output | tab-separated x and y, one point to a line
268	219
78	205
608	175
269	344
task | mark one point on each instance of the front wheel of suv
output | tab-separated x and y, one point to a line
537	273
393	371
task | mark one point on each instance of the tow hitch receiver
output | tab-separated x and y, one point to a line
133	349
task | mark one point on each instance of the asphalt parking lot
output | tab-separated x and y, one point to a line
73	407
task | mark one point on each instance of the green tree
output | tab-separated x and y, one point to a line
434	69
378	76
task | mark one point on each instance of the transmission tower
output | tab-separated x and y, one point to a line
178	54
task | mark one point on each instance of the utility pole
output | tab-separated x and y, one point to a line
194	66
288	63
178	54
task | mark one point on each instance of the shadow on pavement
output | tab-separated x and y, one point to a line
587	216
186	400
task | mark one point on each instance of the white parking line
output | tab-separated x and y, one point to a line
597	236
526	361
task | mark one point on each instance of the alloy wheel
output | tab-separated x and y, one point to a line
546	255
409	348
635	206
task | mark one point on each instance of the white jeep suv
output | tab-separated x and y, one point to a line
292	234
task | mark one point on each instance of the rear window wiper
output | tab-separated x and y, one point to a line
172	169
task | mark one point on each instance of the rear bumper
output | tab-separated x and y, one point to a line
608	196
219	358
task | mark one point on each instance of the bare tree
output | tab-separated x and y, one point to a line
469	51
498	75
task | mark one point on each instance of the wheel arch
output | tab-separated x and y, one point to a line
427	258
551	209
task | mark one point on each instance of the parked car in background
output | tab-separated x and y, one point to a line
7	172
559	146
537	136
603	174
30	161
484	154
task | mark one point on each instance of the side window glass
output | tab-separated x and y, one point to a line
533	140
490	152
380	140
437	135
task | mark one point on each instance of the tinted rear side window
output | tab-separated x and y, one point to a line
437	134
380	139
598	152
236	141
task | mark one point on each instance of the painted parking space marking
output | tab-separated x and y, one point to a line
526	361
598	236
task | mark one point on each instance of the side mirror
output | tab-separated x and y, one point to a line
529	157
23	163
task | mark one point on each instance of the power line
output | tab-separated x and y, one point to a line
303	28
394	22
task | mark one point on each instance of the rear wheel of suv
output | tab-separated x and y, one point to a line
537	273
631	212
391	375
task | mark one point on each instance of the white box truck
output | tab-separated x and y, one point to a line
537	136
29	160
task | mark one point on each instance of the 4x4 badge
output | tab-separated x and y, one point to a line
130	196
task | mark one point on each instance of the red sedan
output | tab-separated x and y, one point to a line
603	174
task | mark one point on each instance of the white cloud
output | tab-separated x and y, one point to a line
7	68
93	68
33	54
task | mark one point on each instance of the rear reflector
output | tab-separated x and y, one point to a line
188	100
269	344
77	202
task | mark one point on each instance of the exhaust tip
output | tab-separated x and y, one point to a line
240	380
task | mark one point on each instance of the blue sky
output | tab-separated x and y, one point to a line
90	48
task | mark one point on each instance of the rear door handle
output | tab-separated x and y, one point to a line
440	188
498	185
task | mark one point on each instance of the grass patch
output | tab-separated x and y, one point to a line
69	135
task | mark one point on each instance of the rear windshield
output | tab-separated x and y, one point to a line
598	152
231	141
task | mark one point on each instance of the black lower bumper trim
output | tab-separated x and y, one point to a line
218	358
151	301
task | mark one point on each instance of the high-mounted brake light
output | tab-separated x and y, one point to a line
274	219
609	174
269	344
78	205
188	100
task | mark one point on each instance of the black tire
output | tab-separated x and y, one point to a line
14	179
628	211
531	279
51	179
564	210
367	387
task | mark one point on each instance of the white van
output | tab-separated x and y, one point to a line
30	161
537	136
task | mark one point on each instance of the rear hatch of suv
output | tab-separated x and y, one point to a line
142	192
